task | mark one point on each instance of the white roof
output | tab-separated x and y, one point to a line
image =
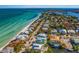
76	39
30	30
71	31
31	27
42	34
44	28
62	30
54	30
26	36
47	21
77	30
22	37
46	25
37	46
27	32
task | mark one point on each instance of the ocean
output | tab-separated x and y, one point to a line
14	20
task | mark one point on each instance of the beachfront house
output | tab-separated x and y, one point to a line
27	32
62	31
37	46
31	29
33	25
22	37
24	33
41	38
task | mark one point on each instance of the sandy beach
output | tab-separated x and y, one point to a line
23	30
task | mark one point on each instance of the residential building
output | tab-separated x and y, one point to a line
75	40
54	44
22	37
41	38
54	31
62	31
77	30
37	46
71	31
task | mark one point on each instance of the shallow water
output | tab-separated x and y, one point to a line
11	25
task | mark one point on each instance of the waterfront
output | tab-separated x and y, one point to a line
50	32
10	25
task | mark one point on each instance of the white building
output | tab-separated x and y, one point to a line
41	38
22	37
46	25
24	33
53	31
76	40
47	21
71	31
44	28
37	46
30	29
63	31
27	32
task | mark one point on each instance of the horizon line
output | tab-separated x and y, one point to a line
39	6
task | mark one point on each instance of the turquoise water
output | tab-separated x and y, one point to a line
11	25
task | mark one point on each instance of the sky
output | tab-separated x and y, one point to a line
39	6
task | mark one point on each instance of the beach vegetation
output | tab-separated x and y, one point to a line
19	46
76	47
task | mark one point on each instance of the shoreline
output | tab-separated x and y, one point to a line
24	29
